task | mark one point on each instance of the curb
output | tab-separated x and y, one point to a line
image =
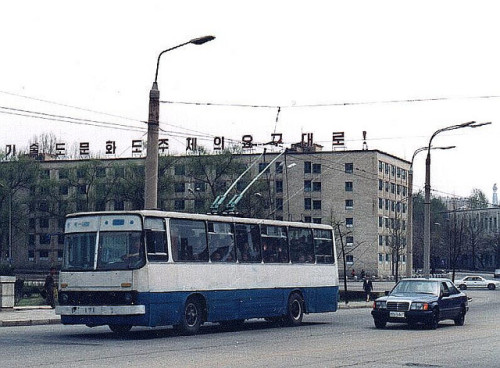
31	322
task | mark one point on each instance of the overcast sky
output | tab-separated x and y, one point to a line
365	62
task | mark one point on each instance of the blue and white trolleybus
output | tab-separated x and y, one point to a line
154	268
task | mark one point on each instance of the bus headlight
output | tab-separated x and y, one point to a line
419	306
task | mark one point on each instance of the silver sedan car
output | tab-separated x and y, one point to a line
476	282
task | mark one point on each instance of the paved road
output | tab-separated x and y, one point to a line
345	338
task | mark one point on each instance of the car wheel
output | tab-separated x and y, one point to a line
463	287
191	317
460	320
295	310
380	323
434	322
491	286
120	329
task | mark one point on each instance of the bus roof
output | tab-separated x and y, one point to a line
207	217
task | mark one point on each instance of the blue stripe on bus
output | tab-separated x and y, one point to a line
166	308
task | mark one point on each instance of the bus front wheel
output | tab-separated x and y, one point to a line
191	317
295	310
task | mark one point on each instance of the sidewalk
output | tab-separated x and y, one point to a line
28	316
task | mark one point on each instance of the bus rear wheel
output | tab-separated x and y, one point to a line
295	310
191	317
120	329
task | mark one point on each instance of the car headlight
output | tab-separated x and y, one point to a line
380	305
419	306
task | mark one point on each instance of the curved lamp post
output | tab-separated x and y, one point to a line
427	201
151	165
409	228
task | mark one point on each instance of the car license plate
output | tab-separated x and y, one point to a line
397	314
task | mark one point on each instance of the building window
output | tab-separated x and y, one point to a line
307	185
398	172
380	166
398	189
180	187
403	174
316	220
393	188
199	204
316	168
316	186
307	203
349	240
386	168
387	258
279	167
44	222
82	189
279	186
307	167
262	167
349	258
279	204
349	168
349	222
199	186
307	219
380	240
59	255
348	186
380	221
380	257
44	238
380	204
316	205
180	170
64	189
44	255
387	186
349	204
380	184
119	205
393	170
31	255
179	205
387	204
63	174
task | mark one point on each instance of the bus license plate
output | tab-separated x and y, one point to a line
397	314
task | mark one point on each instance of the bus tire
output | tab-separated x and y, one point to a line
120	329
191	318
295	310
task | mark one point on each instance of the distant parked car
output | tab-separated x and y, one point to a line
497	273
426	301
476	282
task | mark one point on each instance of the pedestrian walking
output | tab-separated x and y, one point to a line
367	287
50	288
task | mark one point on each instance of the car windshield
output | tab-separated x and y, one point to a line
79	251
416	286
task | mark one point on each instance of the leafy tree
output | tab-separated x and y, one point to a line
477	200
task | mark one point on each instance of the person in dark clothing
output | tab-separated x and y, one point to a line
50	286
367	287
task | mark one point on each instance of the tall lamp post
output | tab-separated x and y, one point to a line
409	228
427	201
151	165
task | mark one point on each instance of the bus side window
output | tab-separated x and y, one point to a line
247	239
323	246
156	241
188	240
221	242
301	245
274	244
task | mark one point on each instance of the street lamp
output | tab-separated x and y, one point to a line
409	228
427	201
151	165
